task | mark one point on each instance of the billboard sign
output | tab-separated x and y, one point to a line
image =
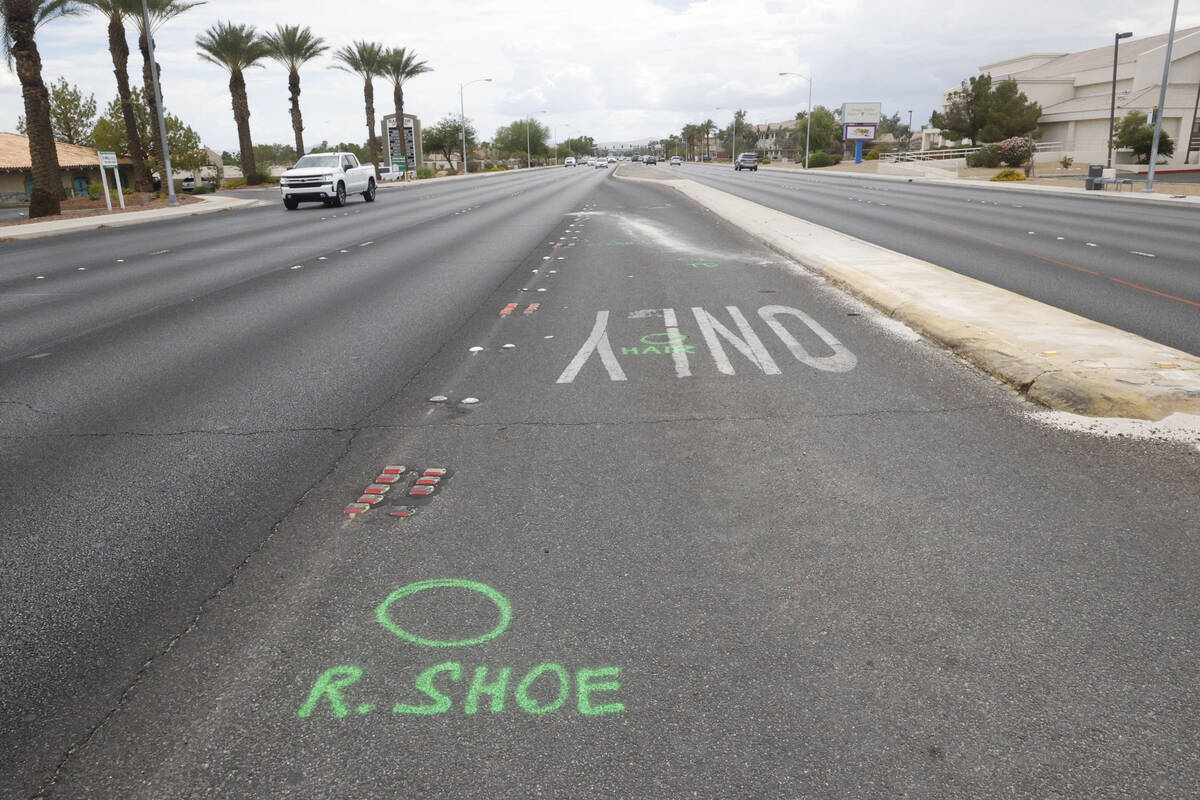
107	159
402	146
859	133
861	113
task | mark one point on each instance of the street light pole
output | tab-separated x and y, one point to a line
1112	108
528	151
1162	102
808	118
172	200
908	139
462	116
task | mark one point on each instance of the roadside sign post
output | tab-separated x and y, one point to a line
860	121
109	159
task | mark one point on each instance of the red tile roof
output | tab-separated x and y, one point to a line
14	153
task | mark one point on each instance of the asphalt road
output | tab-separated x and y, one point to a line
798	553
1127	264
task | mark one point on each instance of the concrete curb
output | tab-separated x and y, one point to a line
58	227
1058	359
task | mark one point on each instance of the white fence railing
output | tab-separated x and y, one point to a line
961	152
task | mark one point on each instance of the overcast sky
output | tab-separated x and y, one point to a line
620	69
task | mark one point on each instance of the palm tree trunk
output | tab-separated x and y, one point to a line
372	142
120	57
241	115
151	103
297	120
47	183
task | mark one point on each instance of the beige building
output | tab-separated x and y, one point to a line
1075	89
79	166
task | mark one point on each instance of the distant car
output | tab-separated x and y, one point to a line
706	157
612	159
652	160
676	161
591	162
391	173
746	161
208	182
601	163
188	184
637	157
570	162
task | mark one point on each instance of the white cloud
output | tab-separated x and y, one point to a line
621	69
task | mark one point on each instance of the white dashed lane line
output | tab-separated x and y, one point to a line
1140	253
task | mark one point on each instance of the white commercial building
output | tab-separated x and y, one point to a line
1075	89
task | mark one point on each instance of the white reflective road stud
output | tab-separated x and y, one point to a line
597	341
682	368
751	346
842	359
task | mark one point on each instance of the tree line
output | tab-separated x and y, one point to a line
233	47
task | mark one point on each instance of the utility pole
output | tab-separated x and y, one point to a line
172	200
1162	101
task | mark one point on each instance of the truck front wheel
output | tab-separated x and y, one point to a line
340	199
369	194
290	204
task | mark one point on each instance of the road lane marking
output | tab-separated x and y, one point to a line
597	341
842	359
682	368
1155	291
749	345
1140	253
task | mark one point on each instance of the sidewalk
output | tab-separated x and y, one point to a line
209	204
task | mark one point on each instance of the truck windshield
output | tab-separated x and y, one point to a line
327	161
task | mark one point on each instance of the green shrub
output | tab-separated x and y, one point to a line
1066	162
988	156
424	172
872	154
821	159
1008	175
764	160
233	183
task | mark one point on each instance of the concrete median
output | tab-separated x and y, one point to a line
1056	358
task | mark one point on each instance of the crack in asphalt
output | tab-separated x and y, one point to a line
195	620
34	409
356	429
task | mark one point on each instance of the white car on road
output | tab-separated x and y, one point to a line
327	178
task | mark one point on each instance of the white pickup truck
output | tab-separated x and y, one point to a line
327	177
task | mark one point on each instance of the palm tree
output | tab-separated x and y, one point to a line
161	11
18	42
292	46
707	127
236	48
399	65
117	11
691	133
365	59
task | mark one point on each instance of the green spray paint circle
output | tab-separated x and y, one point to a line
500	600
658	338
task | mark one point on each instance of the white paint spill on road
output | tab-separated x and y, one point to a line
38	355
1091	244
40	278
298	266
322	258
1032	233
475	349
1177	427
1059	238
